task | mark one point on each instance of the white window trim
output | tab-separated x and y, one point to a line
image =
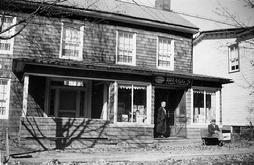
229	58
217	103
6	116
134	49
171	68
12	39
148	104
80	58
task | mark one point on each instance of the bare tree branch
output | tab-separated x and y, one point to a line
2	21
227	14
44	6
249	3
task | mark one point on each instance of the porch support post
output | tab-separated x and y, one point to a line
25	95
115	101
149	100
105	105
219	107
220	93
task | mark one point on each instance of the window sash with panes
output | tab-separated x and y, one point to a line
233	58
204	106
6	46
132	103
126	48
165	53
4	98
72	42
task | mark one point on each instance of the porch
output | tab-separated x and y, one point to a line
76	104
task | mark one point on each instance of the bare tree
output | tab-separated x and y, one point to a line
249	3
42	6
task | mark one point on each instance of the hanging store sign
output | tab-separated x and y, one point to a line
172	81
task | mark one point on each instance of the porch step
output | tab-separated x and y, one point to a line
176	141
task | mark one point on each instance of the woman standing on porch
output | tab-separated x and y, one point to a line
161	128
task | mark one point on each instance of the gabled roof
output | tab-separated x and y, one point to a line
240	34
128	12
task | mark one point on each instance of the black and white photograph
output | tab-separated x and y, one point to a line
126	82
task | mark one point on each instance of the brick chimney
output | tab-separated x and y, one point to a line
163	4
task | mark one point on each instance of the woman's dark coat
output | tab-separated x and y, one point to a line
161	121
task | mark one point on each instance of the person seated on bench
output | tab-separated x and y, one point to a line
214	130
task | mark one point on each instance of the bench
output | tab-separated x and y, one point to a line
209	140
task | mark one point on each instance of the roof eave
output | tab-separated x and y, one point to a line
242	33
132	20
115	17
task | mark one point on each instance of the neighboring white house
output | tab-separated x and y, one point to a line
229	53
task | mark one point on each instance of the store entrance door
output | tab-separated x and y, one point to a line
175	100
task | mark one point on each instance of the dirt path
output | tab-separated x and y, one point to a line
158	153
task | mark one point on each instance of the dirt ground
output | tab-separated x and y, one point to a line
177	153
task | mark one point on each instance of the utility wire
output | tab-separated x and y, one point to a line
186	14
143	9
207	19
155	15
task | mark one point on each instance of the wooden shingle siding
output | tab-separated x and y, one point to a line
62	127
99	43
193	133
146	49
183	55
130	133
52	132
41	39
78	127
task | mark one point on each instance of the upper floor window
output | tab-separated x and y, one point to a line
6	45
233	58
126	48
4	98
165	54
71	42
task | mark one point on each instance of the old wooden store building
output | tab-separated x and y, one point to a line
84	72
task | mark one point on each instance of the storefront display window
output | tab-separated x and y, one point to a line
203	106
132	103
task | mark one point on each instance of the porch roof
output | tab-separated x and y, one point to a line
62	67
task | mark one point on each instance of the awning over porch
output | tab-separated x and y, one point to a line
81	69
